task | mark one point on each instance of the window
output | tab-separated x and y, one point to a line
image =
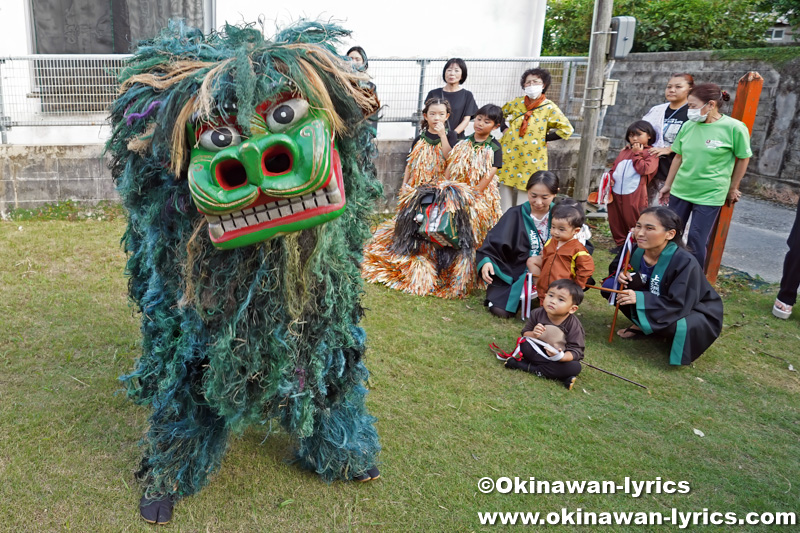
774	34
104	26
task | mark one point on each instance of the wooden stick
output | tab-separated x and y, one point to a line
613	374
616	309
604	289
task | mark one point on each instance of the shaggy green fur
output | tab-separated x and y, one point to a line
232	338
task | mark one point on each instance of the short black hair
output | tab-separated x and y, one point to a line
572	214
546	178
493	113
572	202
571	287
542	73
458	61
642	126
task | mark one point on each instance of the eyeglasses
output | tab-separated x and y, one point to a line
535	81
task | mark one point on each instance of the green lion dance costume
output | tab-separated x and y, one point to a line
246	169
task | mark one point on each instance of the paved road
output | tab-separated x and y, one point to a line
757	238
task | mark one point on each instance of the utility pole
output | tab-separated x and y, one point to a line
593	94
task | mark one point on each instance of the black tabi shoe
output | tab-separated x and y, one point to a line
570	382
156	510
369	475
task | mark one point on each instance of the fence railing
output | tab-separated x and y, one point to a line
403	83
76	90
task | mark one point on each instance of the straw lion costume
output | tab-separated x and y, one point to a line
246	169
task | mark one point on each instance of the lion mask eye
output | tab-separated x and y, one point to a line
282	116
219	138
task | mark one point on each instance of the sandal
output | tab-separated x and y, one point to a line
781	310
636	333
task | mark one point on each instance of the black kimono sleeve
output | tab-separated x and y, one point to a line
507	247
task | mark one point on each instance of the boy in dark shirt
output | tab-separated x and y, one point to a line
554	324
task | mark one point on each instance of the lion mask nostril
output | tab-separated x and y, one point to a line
277	162
231	174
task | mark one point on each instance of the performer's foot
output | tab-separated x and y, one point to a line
369	475
570	382
631	333
156	510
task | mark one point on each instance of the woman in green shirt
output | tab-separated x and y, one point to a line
712	152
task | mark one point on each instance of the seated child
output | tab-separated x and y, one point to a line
563	256
556	324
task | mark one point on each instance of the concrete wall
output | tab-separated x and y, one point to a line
34	175
31	176
775	140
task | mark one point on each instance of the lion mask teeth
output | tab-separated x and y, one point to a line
271	211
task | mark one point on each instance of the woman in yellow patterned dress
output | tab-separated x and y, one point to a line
533	121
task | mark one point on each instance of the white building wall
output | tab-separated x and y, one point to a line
412	28
14	33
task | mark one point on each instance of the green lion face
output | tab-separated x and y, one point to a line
285	177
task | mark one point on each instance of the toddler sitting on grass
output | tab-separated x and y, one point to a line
560	334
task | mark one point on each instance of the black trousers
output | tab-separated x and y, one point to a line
791	264
703	219
536	364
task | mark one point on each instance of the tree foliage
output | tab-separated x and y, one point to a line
662	25
786	8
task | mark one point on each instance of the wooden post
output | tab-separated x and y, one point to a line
744	108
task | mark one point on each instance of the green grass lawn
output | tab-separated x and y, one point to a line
449	413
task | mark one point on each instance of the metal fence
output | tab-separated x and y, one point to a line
404	83
57	90
76	90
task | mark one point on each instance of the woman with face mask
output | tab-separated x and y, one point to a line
712	151
533	120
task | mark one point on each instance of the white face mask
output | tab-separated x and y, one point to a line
695	115
534	91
